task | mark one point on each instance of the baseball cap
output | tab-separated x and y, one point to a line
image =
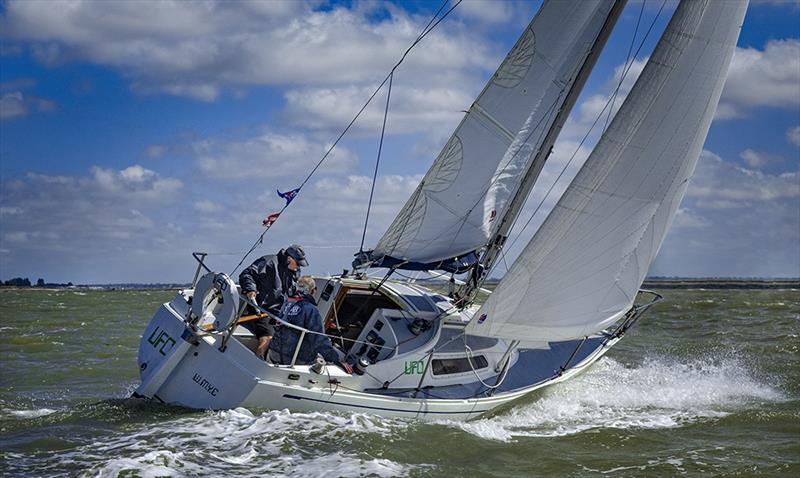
298	254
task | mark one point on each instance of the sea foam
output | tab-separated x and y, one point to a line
241	442
659	393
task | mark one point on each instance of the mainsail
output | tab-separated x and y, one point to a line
455	209
584	265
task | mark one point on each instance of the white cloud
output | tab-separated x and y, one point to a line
269	155
135	181
758	160
778	3
88	226
762	78
686	219
206	206
12	106
17	104
793	135
197	49
155	151
715	179
487	11
600	104
411	109
734	221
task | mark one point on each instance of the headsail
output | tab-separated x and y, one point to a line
586	262
453	211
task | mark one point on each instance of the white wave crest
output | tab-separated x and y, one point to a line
23	414
660	393
240	442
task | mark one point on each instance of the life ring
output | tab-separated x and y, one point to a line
216	298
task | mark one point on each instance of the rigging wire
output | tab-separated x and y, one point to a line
534	130
432	23
377	161
625	65
591	128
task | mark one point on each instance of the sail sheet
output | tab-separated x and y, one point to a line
452	212
585	264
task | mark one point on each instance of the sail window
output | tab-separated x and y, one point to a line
458	365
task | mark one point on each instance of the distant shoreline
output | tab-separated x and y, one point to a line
650	283
714	283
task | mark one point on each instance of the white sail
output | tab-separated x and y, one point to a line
453	210
585	264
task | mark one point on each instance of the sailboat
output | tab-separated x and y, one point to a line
570	296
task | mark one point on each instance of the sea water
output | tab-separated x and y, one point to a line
708	383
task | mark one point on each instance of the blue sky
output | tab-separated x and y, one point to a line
133	133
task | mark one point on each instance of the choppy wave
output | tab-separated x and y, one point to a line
660	393
23	414
275	443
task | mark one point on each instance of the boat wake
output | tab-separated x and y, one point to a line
660	393
274	443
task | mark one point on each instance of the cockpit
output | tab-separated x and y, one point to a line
375	323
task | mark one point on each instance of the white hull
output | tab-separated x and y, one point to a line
193	372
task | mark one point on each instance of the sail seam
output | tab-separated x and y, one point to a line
489	120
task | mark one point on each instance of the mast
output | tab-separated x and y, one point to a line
495	246
581	271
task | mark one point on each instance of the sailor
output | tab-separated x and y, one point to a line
269	281
302	311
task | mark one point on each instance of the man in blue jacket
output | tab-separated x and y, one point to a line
302	312
269	281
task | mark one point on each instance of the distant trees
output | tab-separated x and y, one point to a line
18	282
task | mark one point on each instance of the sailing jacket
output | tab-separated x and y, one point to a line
302	312
273	282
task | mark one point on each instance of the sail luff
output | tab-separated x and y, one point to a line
584	265
452	214
507	220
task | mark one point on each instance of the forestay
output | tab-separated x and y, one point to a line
453	210
583	267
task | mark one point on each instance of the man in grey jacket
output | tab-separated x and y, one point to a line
269	281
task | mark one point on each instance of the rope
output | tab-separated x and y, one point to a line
425	31
468	353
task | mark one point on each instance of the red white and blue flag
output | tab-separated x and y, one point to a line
289	195
270	220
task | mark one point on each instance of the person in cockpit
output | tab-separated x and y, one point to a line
302	311
269	281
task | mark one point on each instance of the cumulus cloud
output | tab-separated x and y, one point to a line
758	160
624	78
18	104
269	155
718	180
793	135
338	207
744	222
198	48
64	220
15	102
487	11
762	78
412	109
